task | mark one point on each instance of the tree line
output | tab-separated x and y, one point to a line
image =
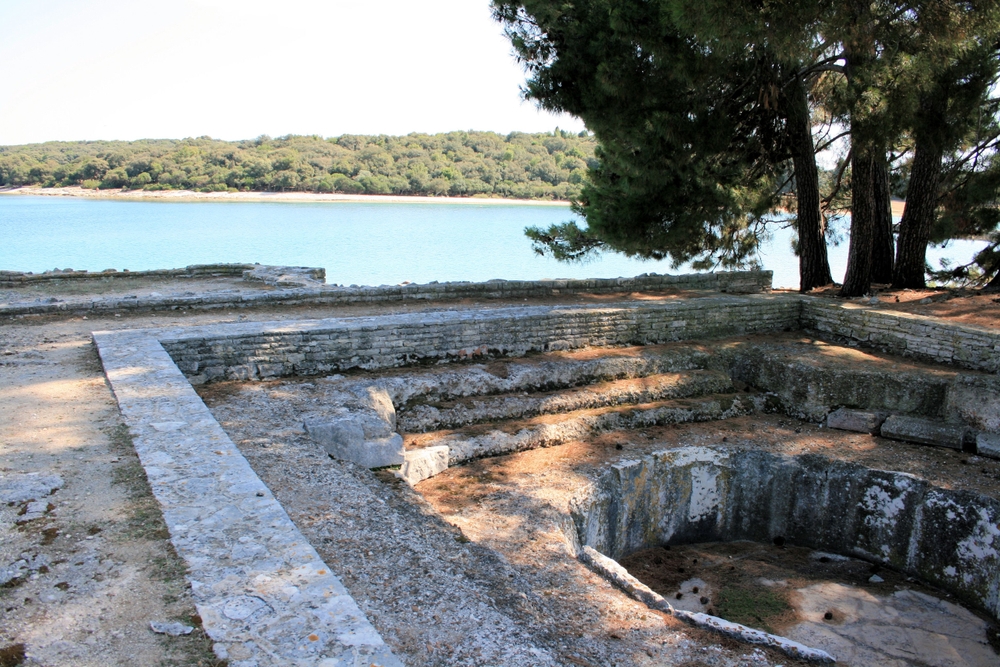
709	116
519	165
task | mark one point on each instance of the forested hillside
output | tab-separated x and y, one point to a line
536	166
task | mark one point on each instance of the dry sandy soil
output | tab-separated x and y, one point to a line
99	565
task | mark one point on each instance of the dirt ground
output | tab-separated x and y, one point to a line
958	305
103	567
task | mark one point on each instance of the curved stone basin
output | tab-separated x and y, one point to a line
696	494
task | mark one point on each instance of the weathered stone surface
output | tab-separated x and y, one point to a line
621	578
424	417
988	444
855	420
966	346
253	350
366	442
421	464
463	447
174	629
694	494
376	399
360	429
975	399
923	431
735	282
22	487
286	276
265	596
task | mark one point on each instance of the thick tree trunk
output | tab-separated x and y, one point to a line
883	247
814	266
921	206
858	279
859	51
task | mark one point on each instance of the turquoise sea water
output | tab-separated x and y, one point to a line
357	243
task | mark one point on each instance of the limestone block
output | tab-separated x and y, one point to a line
855	420
420	464
988	444
377	399
286	276
19	487
975	399
923	431
345	438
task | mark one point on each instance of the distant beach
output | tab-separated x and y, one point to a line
301	197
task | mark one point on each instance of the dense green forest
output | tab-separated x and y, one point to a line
533	166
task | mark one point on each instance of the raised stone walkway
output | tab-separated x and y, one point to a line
264	595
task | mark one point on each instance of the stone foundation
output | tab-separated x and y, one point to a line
947	537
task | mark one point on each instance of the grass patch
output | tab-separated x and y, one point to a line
750	603
145	519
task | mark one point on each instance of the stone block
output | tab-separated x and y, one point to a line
421	464
23	487
923	431
988	444
377	399
860	421
346	439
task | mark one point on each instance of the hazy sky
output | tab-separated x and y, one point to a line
236	69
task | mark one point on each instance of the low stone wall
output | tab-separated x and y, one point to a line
264	595
276	349
21	278
695	494
905	334
736	282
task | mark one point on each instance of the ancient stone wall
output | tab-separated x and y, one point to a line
905	334
736	282
23	278
276	349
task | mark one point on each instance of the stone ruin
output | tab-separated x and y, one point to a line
563	378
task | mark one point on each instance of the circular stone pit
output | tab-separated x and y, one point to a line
946	538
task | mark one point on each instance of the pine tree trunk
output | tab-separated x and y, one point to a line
883	247
918	217
858	279
859	52
814	266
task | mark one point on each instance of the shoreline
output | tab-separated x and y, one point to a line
287	197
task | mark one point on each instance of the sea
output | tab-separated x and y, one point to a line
358	243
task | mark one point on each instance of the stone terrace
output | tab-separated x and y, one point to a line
263	592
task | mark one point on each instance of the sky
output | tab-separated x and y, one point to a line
237	69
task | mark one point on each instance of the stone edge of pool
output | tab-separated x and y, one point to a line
263	592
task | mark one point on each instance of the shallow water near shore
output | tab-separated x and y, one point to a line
357	243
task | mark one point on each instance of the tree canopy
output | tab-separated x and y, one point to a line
706	113
531	166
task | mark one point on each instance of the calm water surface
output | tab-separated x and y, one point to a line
357	243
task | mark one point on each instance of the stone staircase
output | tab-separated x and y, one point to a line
457	412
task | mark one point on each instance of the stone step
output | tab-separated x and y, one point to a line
924	431
546	372
550	430
425	417
812	379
